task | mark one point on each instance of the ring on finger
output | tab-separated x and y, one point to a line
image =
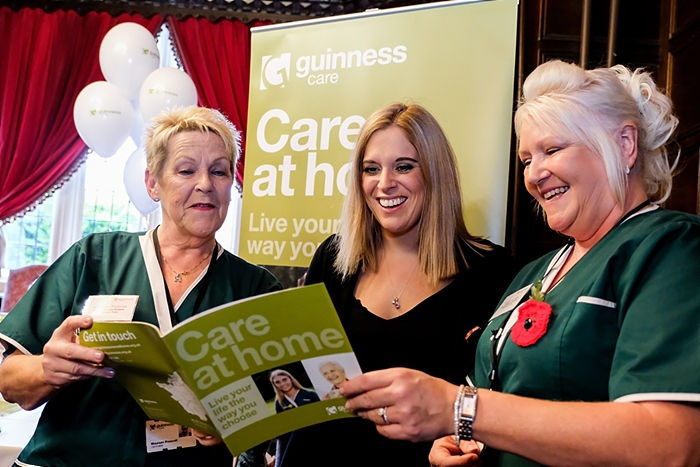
382	413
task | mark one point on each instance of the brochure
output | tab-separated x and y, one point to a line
217	371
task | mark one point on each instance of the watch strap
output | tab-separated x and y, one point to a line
467	413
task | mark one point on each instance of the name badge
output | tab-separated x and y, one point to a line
111	308
511	301
161	436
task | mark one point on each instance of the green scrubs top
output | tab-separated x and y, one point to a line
625	322
96	422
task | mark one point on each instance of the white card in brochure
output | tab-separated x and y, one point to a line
111	308
163	435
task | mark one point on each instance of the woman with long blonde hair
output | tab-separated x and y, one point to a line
408	280
289	392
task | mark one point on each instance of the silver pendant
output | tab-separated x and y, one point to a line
396	303
177	278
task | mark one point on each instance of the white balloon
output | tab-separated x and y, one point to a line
134	173
139	128
103	117
163	89
128	54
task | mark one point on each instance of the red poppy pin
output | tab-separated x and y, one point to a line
533	318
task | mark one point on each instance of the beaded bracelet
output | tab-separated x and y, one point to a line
458	412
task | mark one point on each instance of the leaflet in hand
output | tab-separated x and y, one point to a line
213	371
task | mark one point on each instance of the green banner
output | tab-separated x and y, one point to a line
314	82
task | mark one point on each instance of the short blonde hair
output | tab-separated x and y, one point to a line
589	106
182	119
441	223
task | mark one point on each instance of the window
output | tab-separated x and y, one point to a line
28	237
41	235
107	206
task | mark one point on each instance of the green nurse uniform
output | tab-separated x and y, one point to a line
96	422
625	322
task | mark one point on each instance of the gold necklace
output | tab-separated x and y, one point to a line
178	275
395	300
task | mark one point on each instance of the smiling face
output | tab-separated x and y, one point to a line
333	373
195	184
283	383
393	183
569	181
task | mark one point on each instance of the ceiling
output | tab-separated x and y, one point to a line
244	10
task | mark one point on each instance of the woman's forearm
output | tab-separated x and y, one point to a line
586	433
420	408
22	381
31	380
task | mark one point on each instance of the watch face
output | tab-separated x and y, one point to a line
468	408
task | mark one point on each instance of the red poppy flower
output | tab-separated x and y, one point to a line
532	322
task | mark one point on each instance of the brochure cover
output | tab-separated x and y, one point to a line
247	371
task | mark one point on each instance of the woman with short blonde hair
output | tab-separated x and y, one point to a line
177	270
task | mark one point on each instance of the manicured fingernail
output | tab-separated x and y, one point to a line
98	356
110	372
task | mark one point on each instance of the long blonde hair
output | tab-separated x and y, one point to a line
278	392
441	223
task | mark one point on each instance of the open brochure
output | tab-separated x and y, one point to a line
213	371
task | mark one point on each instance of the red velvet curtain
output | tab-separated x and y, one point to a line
217	58
47	59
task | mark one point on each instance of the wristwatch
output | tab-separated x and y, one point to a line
467	413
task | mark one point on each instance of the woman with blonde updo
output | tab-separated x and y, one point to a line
592	356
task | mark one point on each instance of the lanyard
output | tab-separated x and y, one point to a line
500	332
632	212
291	401
202	286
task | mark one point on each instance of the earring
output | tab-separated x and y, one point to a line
157	200
627	170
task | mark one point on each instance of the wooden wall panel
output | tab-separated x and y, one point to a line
551	29
686	11
683	82
561	19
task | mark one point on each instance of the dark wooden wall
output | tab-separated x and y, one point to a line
679	70
660	35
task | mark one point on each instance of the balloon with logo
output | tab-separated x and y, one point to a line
128	54
103	117
166	88
134	173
